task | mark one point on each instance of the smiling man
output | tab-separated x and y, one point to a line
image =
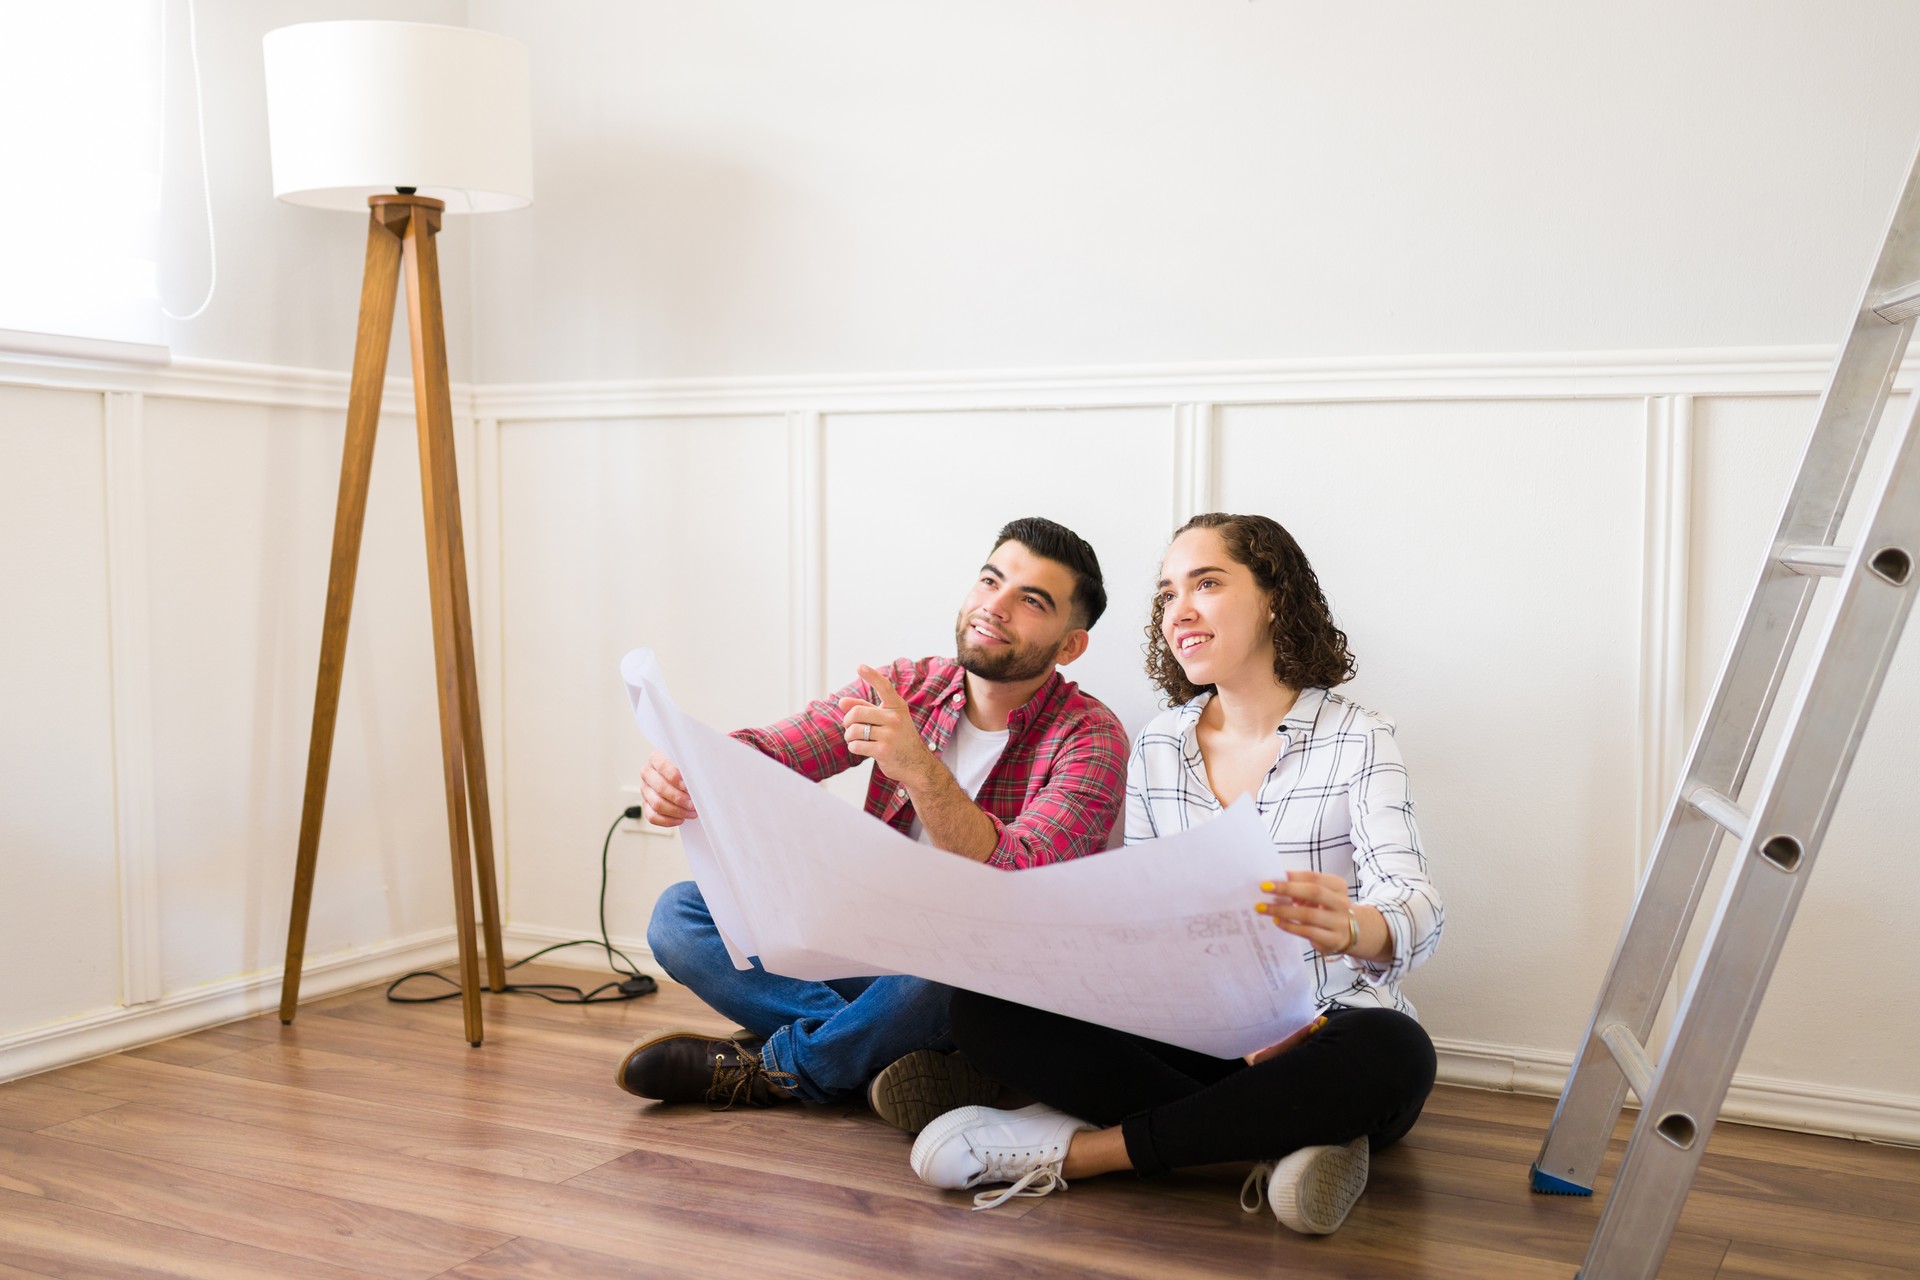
991	755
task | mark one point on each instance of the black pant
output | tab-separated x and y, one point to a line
1367	1072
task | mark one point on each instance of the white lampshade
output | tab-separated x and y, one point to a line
360	108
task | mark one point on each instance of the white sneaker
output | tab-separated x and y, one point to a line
972	1145
1311	1190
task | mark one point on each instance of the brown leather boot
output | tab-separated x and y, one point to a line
691	1066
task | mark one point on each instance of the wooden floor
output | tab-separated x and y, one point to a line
369	1140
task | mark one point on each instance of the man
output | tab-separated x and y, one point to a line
992	756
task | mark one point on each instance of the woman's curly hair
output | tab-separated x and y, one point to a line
1308	650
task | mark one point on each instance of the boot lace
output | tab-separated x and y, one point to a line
733	1082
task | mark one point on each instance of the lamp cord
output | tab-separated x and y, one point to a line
631	986
200	126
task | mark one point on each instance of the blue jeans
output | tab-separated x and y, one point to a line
831	1037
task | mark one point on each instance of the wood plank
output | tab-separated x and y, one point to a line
856	1149
1806	1150
1858	1237
552	1059
1864	1208
559	1096
84	1244
356	1236
1760	1262
39	1101
914	1229
192	1050
1531	1116
1854	1193
1489	1201
526	1259
401	1129
691	1241
1070	1233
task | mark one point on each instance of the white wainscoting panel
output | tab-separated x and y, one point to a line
1484	560
59	932
663	532
240	507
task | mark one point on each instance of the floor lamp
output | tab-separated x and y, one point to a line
412	121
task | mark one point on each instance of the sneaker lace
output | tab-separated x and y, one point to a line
1037	1180
733	1081
1256	1183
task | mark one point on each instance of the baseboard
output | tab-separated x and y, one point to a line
62	1044
1759	1100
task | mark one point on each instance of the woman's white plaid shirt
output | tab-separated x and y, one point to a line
1336	799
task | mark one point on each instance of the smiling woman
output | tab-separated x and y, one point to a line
80	88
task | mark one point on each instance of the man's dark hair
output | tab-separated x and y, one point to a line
1063	546
1308	650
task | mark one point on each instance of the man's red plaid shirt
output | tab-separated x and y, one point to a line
1053	794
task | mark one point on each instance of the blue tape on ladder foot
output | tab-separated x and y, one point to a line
1548	1185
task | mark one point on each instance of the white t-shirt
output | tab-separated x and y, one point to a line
969	756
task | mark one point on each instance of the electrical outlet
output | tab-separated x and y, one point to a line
630	796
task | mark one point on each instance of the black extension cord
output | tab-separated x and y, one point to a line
631	986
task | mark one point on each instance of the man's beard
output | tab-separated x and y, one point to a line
1006	666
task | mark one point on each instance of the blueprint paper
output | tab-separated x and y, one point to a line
1159	939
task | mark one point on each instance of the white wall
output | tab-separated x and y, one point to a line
289	276
750	187
773	247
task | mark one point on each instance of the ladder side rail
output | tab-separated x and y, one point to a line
1655	930
1790	823
1762	646
1843	430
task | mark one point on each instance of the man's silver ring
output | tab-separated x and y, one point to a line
866	732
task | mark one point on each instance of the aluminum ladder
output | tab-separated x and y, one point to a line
1680	1095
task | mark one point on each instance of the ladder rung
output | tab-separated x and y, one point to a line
1632	1057
1900	304
1815	561
1722	810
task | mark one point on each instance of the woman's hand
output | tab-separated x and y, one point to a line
1314	905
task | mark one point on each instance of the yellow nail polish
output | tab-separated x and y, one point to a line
1261	907
1266	886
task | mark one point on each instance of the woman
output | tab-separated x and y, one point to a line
1244	646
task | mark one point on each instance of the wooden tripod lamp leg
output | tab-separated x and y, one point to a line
433	407
381	278
470	730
